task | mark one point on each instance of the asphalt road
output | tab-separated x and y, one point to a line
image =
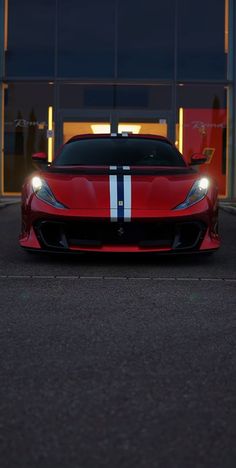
117	361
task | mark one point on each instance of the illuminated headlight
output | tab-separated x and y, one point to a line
43	192
197	193
36	184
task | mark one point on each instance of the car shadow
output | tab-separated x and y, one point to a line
122	259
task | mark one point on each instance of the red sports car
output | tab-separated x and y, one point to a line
119	193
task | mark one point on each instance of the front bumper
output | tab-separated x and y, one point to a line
56	230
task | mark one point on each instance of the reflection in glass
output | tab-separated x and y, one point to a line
203	128
25	130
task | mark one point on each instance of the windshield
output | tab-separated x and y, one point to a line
119	152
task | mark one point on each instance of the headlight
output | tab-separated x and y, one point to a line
196	194
43	192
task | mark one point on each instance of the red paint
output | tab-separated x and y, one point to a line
206	128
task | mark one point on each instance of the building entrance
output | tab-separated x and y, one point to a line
77	124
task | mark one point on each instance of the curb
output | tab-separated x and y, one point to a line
228	208
7	202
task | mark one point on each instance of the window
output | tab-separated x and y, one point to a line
146	39
77	96
86	38
144	97
201	39
31	33
119	151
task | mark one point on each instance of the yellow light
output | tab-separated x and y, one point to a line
50	111
129	128
101	128
181	129
106	128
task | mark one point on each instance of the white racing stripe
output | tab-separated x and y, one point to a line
127	195
127	198
113	186
113	195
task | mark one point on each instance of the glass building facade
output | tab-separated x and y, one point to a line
72	66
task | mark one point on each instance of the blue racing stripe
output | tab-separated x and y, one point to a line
120	197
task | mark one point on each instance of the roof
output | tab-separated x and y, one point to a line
118	135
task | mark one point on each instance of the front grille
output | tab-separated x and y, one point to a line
144	234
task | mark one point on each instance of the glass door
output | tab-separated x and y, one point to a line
144	128
71	128
146	123
74	123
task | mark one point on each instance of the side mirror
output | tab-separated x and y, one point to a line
198	158
40	157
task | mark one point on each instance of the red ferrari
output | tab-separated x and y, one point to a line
119	193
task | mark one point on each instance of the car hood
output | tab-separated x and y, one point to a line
91	188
